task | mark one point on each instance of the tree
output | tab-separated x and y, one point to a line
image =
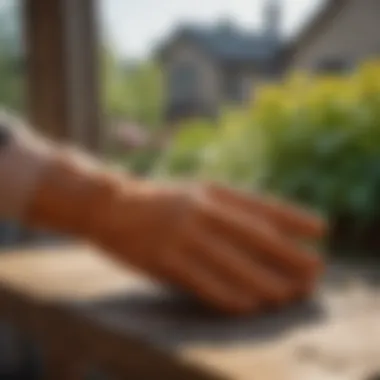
114	88
132	90
11	57
146	100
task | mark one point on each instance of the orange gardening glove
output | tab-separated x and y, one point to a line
236	252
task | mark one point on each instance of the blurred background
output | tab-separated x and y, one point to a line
269	94
280	95
266	95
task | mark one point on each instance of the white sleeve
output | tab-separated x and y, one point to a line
23	157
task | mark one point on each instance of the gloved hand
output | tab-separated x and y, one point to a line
236	252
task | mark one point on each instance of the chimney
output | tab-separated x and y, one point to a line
272	20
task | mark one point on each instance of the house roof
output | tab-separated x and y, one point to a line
323	18
230	44
226	43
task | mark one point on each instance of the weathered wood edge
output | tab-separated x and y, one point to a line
82	339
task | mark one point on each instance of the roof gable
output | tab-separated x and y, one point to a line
321	20
225	43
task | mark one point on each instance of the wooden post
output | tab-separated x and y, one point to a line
62	363
62	66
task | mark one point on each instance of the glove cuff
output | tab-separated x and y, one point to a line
71	194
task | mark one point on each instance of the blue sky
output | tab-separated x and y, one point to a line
134	26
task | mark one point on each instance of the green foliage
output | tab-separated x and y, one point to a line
114	90
323	141
316	140
142	161
132	92
186	155
227	152
145	85
12	73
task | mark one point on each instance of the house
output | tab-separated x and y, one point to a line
341	35
205	67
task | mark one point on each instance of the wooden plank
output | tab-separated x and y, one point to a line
62	70
40	291
65	273
122	322
46	76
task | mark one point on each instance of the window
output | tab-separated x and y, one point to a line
184	82
333	66
233	88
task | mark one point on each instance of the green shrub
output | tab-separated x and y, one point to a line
323	140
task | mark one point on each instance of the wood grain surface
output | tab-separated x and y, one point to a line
135	329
